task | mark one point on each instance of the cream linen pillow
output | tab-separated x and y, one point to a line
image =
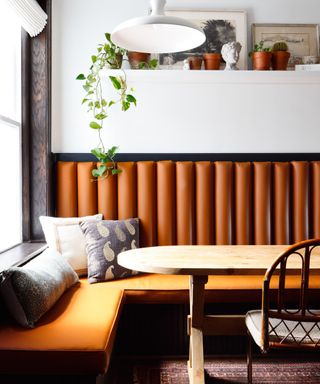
63	234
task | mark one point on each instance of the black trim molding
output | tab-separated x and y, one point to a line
193	157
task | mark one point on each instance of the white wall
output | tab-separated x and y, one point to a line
182	114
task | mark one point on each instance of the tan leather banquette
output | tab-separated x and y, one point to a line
200	202
177	203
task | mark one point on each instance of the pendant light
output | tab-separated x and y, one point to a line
32	17
158	33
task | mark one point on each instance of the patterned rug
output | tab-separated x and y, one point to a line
226	370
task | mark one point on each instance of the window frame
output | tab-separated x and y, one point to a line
12	119
36	128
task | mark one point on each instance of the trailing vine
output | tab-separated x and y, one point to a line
109	56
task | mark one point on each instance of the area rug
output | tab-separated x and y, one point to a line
226	370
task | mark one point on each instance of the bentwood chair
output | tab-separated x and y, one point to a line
280	327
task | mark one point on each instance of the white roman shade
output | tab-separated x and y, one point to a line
32	17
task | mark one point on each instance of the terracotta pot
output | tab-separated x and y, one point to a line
280	60
195	62
261	61
135	58
212	60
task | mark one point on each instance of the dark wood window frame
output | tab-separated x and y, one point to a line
35	142
36	128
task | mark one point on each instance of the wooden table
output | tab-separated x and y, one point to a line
199	262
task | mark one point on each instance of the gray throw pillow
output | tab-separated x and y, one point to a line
105	239
30	291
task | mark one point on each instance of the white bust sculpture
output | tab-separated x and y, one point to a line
186	64
230	53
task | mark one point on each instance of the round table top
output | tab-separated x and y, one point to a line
205	260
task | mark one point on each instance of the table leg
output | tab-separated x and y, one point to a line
196	360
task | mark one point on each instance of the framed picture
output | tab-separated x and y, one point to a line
220	27
302	39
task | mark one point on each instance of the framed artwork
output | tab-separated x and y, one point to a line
220	27
302	39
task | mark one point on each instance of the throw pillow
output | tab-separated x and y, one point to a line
30	291
63	234
105	239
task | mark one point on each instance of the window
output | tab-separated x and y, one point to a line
10	129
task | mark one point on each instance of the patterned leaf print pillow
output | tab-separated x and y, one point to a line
105	239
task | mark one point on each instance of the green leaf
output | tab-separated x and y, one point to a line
91	78
108	36
86	87
153	64
97	153
131	99
95	125
125	105
100	116
111	103
95	173
101	156
94	58
97	104
102	169
116	171
112	151
99	171
142	65
103	103
81	77
116	82
84	101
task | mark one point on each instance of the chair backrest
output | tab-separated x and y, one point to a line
294	325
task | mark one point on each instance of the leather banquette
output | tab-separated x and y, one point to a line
185	202
200	202
177	203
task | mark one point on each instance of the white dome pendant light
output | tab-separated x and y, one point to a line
158	33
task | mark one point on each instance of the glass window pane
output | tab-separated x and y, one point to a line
10	192
10	63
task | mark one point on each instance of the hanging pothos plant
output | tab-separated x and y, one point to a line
109	56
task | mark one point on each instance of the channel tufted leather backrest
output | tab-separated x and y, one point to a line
203	202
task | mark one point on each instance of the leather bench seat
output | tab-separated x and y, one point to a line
173	289
75	336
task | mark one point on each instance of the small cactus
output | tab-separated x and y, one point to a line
280	46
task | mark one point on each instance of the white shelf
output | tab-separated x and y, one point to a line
219	77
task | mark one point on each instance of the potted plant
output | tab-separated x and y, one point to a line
195	62
136	58
107	57
261	57
111	54
280	56
212	60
